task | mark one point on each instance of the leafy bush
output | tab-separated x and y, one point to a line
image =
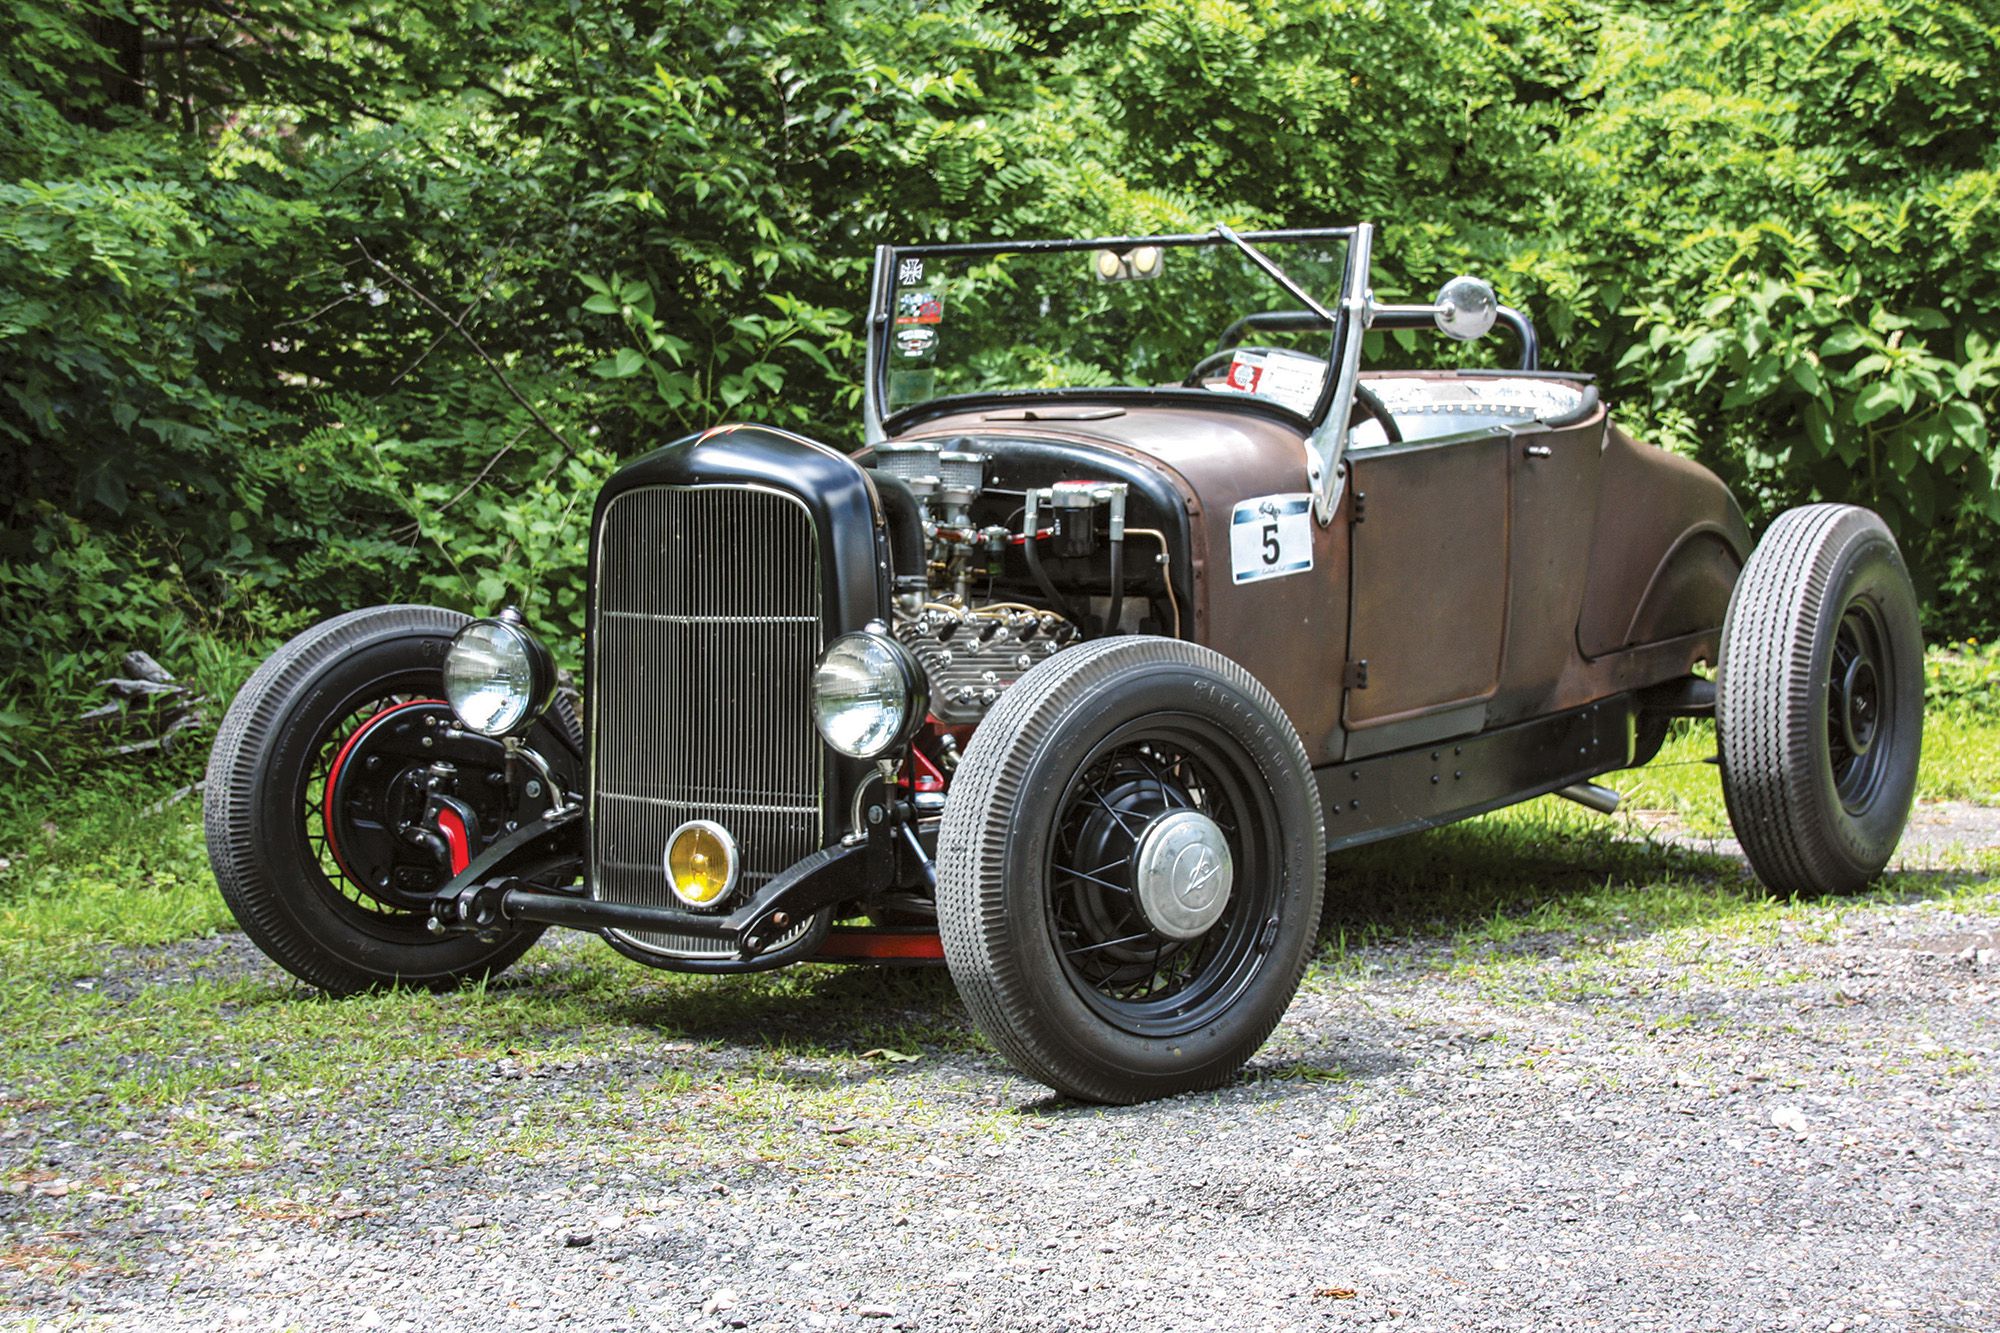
310	304
1963	677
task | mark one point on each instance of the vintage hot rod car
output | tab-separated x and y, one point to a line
1139	598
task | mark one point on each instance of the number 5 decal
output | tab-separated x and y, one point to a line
1270	537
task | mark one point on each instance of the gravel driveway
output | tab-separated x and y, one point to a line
1790	1125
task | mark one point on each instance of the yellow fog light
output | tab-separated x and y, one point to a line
701	863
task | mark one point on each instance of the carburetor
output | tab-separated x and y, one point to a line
945	481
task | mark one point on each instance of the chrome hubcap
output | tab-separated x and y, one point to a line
1183	873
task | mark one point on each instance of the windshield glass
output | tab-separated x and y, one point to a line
1137	314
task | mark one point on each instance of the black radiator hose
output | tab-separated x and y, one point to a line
1116	611
908	555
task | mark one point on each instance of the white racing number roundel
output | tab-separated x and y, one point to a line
1270	537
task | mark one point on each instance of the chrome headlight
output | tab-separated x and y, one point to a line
869	694
498	677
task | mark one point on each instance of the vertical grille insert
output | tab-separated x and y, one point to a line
707	627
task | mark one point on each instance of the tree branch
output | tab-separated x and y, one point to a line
415	527
569	449
485	286
456	326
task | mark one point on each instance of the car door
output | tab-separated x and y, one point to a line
1429	566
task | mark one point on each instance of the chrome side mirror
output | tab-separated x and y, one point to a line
1466	308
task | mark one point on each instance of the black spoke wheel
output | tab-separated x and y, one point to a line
1855	718
315	797
1135	977
1130	870
1819	701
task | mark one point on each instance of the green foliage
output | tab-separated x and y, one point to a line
1778	226
310	304
1963	678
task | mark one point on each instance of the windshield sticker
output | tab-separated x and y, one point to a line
919	307
909	272
1270	537
1290	379
916	383
917	342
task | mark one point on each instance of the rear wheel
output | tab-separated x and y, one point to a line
1130	870
1819	706
319	812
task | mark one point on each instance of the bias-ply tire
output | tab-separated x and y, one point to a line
1819	707
271	744
1224	746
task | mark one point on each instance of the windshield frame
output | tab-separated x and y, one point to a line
880	424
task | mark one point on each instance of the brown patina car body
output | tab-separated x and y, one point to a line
1465	586
1113	626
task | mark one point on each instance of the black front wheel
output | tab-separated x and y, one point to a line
1130	870
340	795
1819	701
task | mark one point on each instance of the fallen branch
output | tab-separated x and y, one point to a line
148	710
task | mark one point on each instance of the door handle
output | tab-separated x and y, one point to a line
1539	451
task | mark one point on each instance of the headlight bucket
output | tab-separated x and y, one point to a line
869	694
497	676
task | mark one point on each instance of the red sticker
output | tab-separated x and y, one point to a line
919	308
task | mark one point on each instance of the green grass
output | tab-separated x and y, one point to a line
98	865
1549	903
1543	902
1961	758
1961	762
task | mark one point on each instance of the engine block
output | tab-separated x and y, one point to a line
970	657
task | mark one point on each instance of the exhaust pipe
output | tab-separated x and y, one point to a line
1601	799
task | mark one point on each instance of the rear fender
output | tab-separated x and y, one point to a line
1669	544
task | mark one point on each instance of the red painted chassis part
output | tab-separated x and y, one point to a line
333	778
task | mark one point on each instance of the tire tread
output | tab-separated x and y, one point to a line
1767	729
